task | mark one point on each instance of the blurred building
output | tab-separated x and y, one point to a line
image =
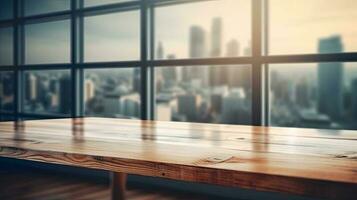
330	79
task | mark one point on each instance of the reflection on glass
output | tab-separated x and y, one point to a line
322	95
112	37
6	46
206	29
35	7
47	92
212	94
6	9
47	43
307	22
88	3
6	91
112	92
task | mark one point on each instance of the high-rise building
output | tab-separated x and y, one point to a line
232	48
216	37
197	49
188	106
354	98
89	90
160	51
64	101
330	79
31	87
137	80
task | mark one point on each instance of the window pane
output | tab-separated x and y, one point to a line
105	40
47	43
6	92
308	23
88	3
206	29
322	95
212	94
47	92
112	92
6	46
6	9
34	7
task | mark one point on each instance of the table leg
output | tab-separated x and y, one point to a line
118	185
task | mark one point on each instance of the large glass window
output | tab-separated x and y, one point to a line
197	64
203	29
47	43
112	92
308	24
112	37
88	3
317	95
6	92
47	92
6	46
6	9
211	94
35	7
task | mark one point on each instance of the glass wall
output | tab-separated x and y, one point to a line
197	61
210	94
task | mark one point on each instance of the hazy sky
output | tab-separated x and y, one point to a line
296	25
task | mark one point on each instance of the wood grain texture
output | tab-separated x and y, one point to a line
311	162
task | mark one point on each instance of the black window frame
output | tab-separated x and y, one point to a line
259	60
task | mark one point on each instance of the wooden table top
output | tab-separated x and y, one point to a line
311	162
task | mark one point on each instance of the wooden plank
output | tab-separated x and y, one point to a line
314	166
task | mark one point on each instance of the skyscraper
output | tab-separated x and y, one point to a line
160	51
197	50
216	37
217	74
65	101
354	98
330	79
136	80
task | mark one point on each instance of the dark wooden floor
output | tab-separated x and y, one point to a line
40	186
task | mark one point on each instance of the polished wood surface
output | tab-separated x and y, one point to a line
312	162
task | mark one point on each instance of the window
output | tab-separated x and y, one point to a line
47	43
35	7
6	9
211	94
47	92
88	3
315	95
6	47
6	92
112	92
260	62
309	23
207	29
117	41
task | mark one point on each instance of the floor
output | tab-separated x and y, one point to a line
40	186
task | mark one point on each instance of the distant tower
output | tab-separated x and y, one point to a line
197	42
89	90
354	98
31	87
232	48
65	101
160	51
136	80
197	50
330	79
216	37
